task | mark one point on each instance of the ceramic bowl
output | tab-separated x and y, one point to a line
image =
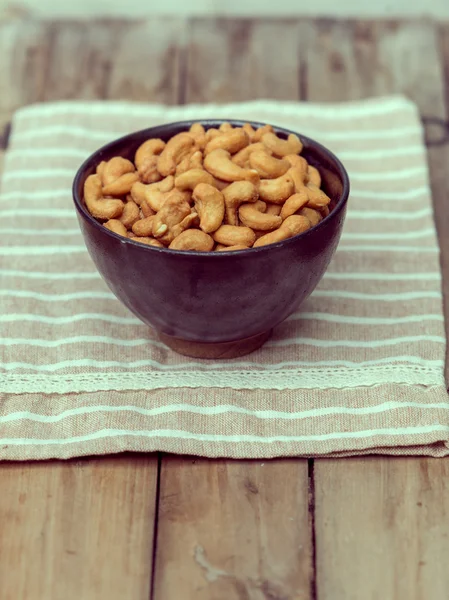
217	304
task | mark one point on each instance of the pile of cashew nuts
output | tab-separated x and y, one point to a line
225	189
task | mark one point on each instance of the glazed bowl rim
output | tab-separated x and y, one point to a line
310	142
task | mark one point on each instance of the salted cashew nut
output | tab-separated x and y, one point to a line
173	211
253	215
294	204
250	131
290	227
100	169
317	198
210	206
313	176
130	214
225	127
146	209
176	149
212	133
96	205
273	209
198	133
193	161
299	165
148	172
313	215
220	165
152	193
231	235
235	194
122	185
191	220
277	190
231	248
193	239
152	147
268	166
232	141
259	133
241	158
115	168
190	179
279	147
148	241
298	176
324	210
117	227
144	227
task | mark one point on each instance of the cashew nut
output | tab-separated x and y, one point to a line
144	227
115	168
294	204
298	176
225	127
324	210
193	239
250	131
148	241
261	132
236	194
231	248
177	148
152	147
210	206
100	169
117	227
191	220
190	179
121	186
277	190
232	141
279	147
253	215
267	166
314	176
96	205
146	209
219	164
313	215
242	157
273	209
173	211
212	133
130	214
317	198
153	193
148	172
290	227
193	161
300	164
230	235
198	133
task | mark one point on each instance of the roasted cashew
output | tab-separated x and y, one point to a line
236	194
313	176
121	186
313	215
279	147
210	206
232	141
294	204
174	209
259	133
198	133
317	198
212	133
191	220
324	210
139	191
219	164
290	227
224	127
267	166
242	157
230	235
130	214
300	164
117	227
190	179
100	169
250	131
148	172
148	241
193	161
144	227
231	248
146	209
96	205
152	147
273	209
298	176
176	149
115	168
193	239
253	216
277	190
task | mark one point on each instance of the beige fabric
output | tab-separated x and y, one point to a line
359	369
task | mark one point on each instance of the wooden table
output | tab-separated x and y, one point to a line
170	528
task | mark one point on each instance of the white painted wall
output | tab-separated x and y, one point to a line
252	8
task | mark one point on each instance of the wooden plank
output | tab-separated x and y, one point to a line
81	529
75	529
235	529
381	523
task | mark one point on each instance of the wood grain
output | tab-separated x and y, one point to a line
230	530
75	529
381	524
81	529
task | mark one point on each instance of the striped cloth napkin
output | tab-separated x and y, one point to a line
359	369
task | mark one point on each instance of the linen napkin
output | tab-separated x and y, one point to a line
359	369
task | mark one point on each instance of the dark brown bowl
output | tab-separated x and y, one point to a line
214	304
